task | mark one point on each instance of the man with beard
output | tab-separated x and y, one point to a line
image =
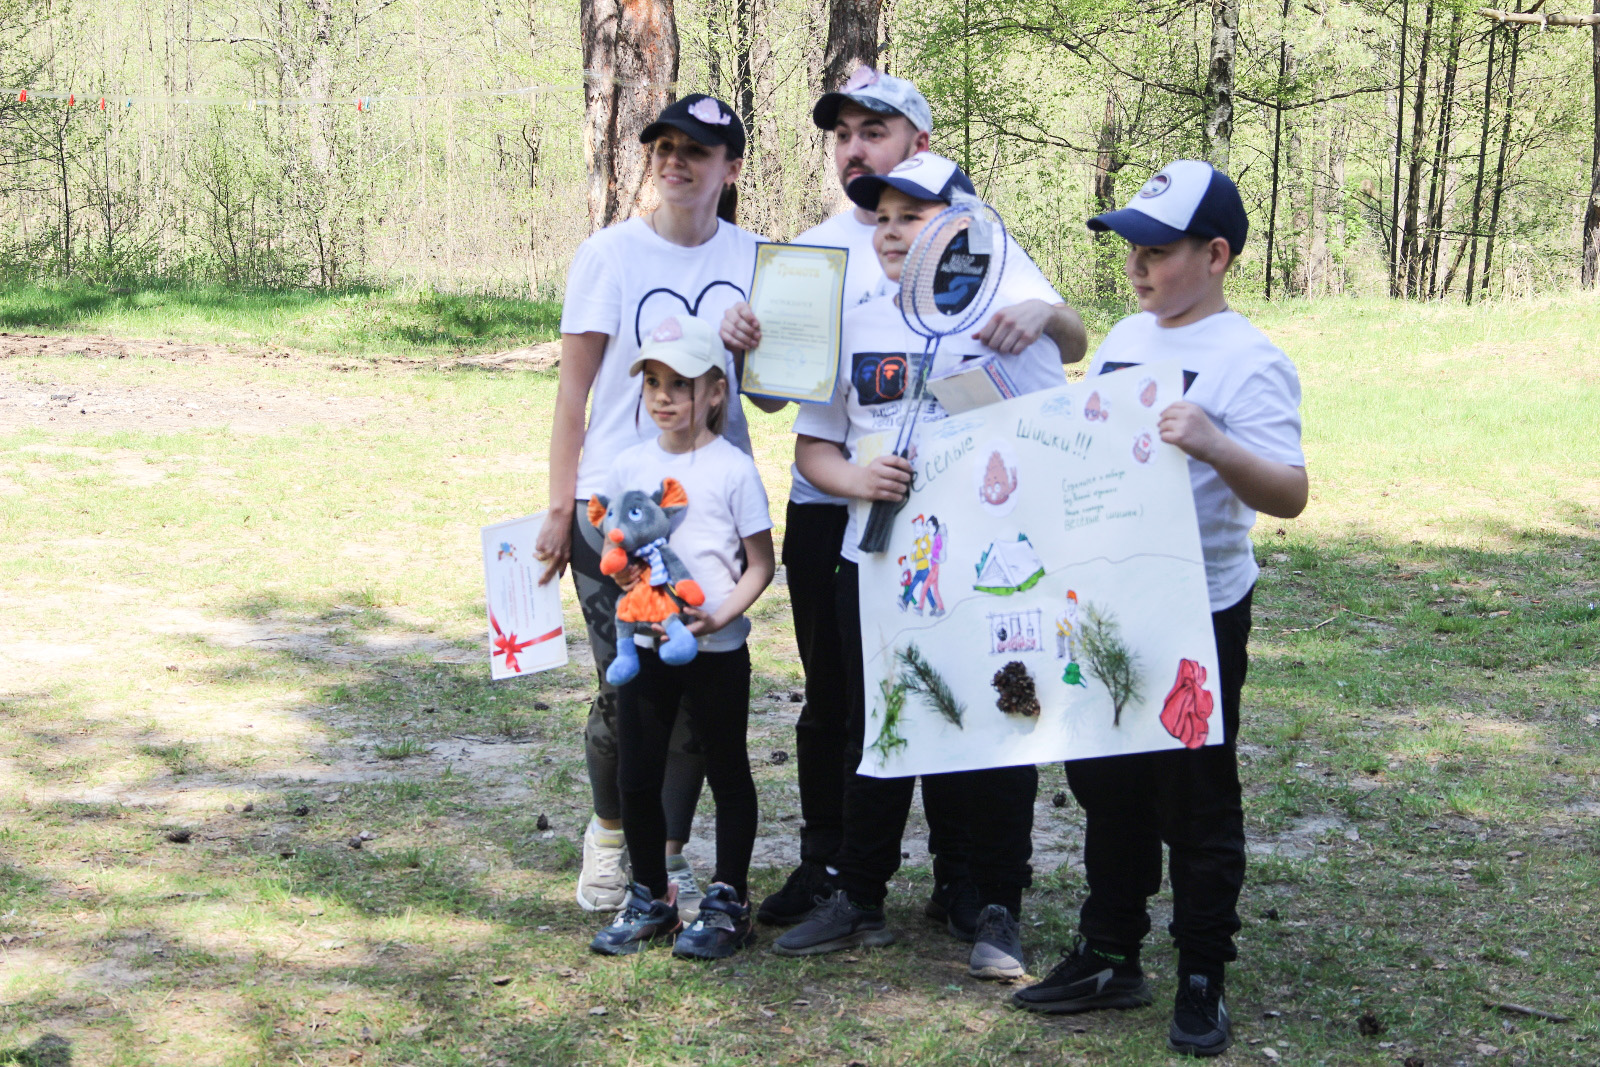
878	121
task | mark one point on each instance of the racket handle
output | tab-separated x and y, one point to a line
879	522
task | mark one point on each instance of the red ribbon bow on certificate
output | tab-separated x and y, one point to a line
508	646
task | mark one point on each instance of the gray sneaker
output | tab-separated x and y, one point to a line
997	952
680	874
836	923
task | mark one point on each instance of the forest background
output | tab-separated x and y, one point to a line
1414	147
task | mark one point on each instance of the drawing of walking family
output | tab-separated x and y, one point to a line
919	582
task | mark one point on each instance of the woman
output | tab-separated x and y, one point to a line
686	256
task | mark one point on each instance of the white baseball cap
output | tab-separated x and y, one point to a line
923	176
684	343
883	93
1185	198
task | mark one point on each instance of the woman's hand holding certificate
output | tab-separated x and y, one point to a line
797	296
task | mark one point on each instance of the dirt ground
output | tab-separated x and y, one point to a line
250	403
243	404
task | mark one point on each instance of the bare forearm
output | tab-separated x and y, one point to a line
760	565
1264	485
825	466
566	439
1066	329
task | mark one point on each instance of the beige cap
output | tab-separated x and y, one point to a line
684	343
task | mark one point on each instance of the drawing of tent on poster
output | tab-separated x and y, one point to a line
1008	567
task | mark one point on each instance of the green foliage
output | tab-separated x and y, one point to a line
1109	660
890	739
918	676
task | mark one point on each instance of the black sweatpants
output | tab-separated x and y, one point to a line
811	538
1189	799
714	690
987	815
597	596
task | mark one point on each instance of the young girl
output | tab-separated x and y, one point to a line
625	279
724	537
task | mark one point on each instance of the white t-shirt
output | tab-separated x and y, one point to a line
864	280
878	357
726	504
863	277
1251	391
623	281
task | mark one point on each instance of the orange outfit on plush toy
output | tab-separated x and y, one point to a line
637	525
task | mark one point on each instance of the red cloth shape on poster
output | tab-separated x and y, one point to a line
508	646
1188	706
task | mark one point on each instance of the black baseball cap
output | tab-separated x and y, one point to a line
1186	198
924	176
705	118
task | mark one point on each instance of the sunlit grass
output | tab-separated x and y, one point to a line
278	646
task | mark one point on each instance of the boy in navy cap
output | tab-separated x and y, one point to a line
1239	422
877	356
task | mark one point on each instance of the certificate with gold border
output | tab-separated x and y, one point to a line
798	297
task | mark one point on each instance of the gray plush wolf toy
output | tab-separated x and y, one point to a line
636	526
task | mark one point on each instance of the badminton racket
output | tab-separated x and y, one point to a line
946	286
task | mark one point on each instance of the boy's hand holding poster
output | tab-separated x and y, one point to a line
1044	593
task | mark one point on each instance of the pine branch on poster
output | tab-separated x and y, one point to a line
1110	661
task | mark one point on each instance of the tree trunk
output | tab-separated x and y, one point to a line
1399	147
630	60
1295	279
1408	245
1500	165
852	40
744	84
1439	186
1277	141
319	133
1108	160
1591	215
1218	131
1483	153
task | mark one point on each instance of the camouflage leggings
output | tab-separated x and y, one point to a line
598	594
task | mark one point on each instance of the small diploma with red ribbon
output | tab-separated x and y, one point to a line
525	629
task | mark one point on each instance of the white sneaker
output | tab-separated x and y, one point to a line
603	881
681	875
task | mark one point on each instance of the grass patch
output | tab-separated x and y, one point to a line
277	647
356	321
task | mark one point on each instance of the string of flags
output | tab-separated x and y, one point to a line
110	101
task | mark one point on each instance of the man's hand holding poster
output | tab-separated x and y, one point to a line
1044	593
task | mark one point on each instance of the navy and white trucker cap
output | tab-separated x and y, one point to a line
924	176
1186	198
883	93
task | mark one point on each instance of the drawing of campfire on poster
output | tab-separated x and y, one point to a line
1083	514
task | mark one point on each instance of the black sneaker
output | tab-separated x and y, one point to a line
956	905
641	920
1200	1024
836	923
721	928
1086	981
997	950
807	886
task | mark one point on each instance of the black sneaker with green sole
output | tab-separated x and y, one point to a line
1086	981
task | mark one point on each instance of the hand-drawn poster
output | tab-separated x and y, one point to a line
525	634
1044	593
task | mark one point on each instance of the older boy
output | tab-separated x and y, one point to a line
877	121
1239	422
875	809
